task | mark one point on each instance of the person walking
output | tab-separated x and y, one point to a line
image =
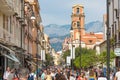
23	74
117	75
6	73
82	76
32	75
102	77
48	76
59	75
43	76
92	75
11	75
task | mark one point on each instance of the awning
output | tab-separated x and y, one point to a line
33	63
11	55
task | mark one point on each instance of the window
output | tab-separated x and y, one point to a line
78	11
90	41
78	24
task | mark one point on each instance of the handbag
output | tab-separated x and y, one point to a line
15	78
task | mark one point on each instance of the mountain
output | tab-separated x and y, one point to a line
57	33
54	30
95	26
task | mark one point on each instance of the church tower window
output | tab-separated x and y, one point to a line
78	11
78	24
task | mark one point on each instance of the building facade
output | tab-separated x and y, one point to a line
78	35
21	34
11	34
114	25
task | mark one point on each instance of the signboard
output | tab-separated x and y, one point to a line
68	59
117	51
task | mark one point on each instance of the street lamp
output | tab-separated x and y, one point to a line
37	42
108	42
79	28
33	16
80	50
43	51
71	31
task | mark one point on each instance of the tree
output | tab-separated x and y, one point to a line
65	54
88	57
49	59
103	57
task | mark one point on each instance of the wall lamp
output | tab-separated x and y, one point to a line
33	16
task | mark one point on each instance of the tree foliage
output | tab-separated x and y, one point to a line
49	59
65	54
88	57
103	57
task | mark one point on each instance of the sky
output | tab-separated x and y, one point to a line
59	11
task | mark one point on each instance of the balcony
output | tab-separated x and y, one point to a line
8	38
7	7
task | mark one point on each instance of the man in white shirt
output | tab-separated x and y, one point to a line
6	73
117	74
102	77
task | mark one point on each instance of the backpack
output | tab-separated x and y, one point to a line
31	77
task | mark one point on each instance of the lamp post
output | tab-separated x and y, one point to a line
43	52
108	42
33	18
80	50
37	54
79	29
71	31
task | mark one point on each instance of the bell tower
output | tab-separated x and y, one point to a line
77	22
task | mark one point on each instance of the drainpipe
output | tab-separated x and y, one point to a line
22	16
108	41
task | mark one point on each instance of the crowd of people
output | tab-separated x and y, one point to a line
59	74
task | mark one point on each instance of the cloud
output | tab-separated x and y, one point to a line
59	11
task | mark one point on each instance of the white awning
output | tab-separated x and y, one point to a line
11	55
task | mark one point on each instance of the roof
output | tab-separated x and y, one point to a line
80	5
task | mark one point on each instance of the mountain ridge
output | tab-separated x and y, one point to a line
58	33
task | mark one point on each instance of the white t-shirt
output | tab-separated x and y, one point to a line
5	76
72	78
102	78
117	75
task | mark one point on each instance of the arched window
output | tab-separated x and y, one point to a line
78	11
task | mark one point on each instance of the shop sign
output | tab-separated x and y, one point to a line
117	51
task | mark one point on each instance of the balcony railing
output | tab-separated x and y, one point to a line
7	37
